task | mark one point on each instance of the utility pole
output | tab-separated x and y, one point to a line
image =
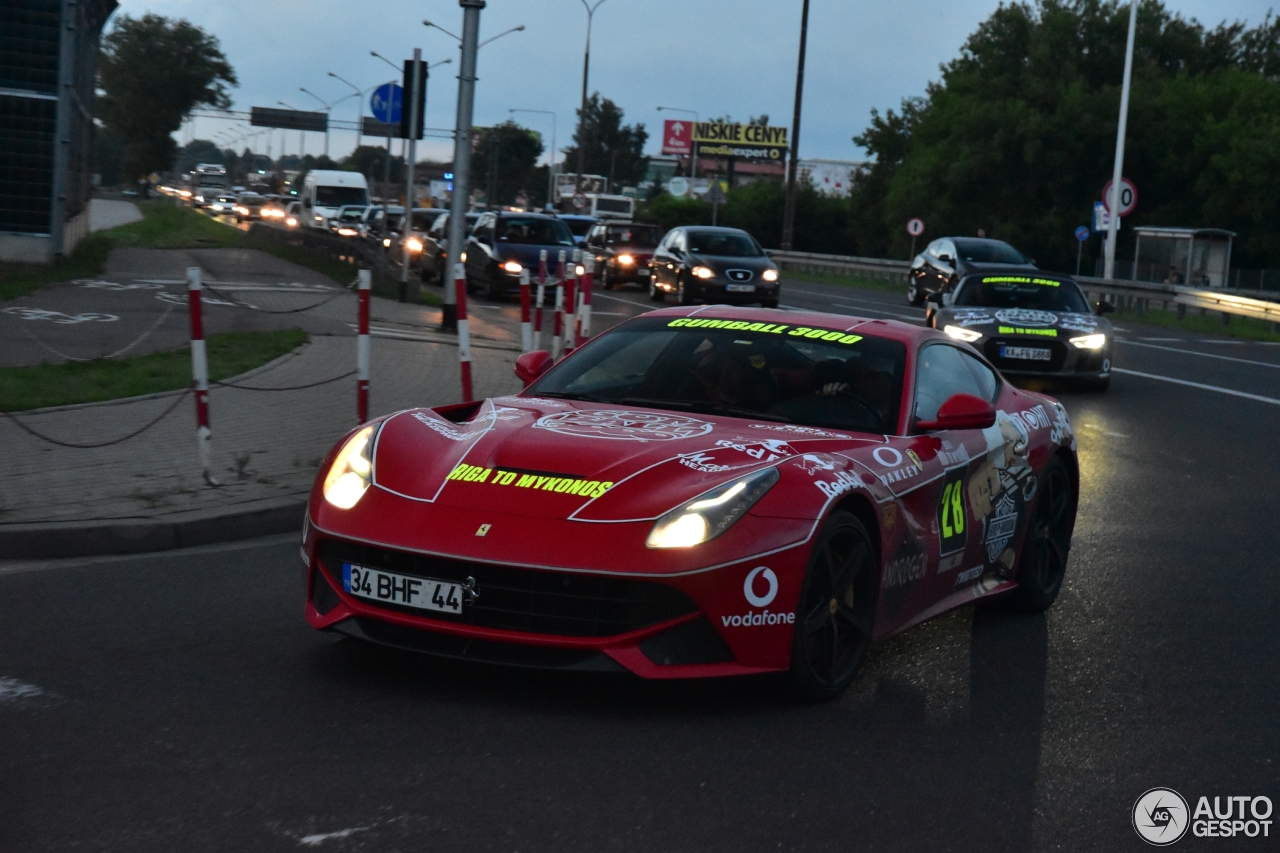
1117	172
582	115
789	209
461	155
407	225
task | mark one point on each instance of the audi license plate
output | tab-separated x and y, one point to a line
1026	353
389	588
740	288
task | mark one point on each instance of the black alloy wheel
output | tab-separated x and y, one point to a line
656	294
1048	541
836	612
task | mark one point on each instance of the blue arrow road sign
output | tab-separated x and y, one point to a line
385	103
1082	233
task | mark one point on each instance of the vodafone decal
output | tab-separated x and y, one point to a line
760	589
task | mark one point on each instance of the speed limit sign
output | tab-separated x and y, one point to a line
915	226
1128	196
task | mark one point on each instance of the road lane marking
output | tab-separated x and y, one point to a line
633	304
1208	341
1199	385
13	690
1163	340
1201	354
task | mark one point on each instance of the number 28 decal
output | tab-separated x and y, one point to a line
952	529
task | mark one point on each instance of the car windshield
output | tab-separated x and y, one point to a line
252	199
338	196
533	232
989	252
818	377
725	244
633	235
423	219
579	227
1021	291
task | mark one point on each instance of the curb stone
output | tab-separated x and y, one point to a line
136	536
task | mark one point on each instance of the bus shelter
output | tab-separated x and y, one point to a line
1197	257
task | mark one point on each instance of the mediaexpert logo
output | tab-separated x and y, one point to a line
1160	816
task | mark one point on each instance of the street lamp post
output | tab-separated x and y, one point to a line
461	152
327	107
582	114
551	157
359	96
301	138
693	152
789	207
1117	171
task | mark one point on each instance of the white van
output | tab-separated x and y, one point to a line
325	191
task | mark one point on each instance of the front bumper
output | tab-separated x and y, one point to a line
1066	361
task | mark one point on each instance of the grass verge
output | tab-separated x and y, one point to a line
23	388
1204	324
164	225
864	282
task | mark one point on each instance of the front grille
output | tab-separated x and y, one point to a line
531	600
1057	349
739	276
467	648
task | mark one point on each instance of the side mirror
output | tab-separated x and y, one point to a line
768	253
531	365
960	411
1105	307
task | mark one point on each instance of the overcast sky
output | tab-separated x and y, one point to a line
717	57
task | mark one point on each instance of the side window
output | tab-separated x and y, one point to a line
679	242
942	370
946	248
933	251
984	376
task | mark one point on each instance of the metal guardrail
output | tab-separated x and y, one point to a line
1134	295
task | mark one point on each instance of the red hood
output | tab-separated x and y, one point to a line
560	459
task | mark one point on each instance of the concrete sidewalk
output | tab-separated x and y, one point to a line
147	493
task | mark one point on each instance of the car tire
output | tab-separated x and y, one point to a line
493	285
655	293
1047	544
836	612
604	277
914	296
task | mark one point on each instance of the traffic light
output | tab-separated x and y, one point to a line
411	97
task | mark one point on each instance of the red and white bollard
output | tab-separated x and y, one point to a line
542	286
570	306
464	331
200	372
526	331
584	310
557	331
362	349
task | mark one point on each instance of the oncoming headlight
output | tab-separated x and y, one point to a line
626	260
960	333
704	272
1097	341
512	267
710	513
349	476
413	244
769	275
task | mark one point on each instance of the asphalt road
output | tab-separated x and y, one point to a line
178	701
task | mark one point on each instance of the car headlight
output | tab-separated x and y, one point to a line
413	244
347	232
704	272
625	260
1097	341
769	275
291	222
243	211
710	513
319	218
348	477
512	267
463	257
960	333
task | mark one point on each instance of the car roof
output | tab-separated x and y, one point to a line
894	330
714	229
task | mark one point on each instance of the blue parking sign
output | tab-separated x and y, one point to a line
384	104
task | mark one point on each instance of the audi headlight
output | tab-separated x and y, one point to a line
960	333
710	513
704	272
349	476
769	275
512	267
626	260
1097	341
414	244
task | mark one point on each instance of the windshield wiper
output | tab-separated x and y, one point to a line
704	407
570	395
722	409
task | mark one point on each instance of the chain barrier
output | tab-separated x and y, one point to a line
156	325
250	307
27	429
346	375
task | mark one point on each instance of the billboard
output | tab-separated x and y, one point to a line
288	119
677	136
732	139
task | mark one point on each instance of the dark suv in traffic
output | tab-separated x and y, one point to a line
948	259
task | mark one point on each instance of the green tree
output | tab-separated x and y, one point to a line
1017	137
504	164
197	151
153	72
612	149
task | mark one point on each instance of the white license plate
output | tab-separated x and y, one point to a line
1026	353
740	288
642	273
389	588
